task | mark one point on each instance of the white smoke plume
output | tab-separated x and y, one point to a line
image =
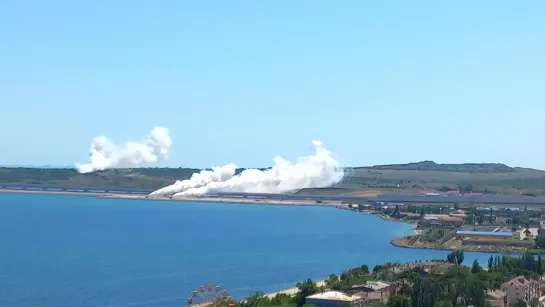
315	171
105	155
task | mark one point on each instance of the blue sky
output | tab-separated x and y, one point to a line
241	81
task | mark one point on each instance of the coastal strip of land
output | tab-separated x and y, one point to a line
236	200
404	243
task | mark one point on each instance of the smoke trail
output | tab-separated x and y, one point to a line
105	155
315	171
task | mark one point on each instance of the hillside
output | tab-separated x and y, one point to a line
395	178
477	177
463	168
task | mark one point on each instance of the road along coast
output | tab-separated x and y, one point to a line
185	199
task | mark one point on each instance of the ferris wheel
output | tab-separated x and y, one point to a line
207	295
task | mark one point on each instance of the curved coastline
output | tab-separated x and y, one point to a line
397	242
405	229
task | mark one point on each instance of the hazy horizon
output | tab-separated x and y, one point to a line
263	167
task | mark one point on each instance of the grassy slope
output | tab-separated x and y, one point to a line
490	178
411	178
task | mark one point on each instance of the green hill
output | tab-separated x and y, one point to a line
463	168
477	177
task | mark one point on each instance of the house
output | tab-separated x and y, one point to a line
368	299
372	290
497	298
332	299
521	288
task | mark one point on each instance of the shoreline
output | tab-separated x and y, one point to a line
185	199
397	242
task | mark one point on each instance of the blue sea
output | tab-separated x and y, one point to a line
67	251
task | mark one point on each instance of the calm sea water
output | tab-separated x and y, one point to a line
58	250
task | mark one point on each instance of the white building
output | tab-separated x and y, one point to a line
332	299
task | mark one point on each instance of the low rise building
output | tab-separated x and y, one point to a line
375	290
497	298
522	289
333	299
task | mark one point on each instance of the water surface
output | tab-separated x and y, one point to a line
65	250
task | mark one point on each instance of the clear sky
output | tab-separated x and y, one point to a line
241	81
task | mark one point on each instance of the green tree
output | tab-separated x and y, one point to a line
332	280
396	211
517	303
497	262
456	257
476	268
306	288
399	301
474	292
443	303
539	266
470	220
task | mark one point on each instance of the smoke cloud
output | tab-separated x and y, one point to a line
105	155
315	171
